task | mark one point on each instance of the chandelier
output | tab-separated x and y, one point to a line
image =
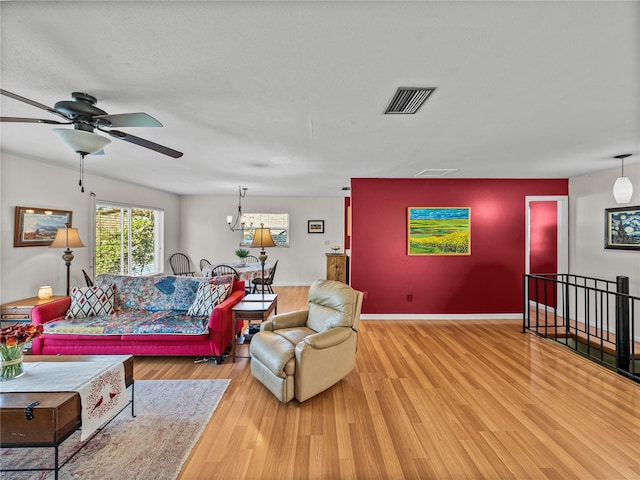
233	224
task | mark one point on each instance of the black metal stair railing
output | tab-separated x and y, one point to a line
596	318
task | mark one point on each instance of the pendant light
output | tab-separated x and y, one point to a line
622	189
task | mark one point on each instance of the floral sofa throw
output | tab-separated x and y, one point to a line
121	305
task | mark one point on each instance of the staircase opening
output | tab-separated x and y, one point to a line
596	318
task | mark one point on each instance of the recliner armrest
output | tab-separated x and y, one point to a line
286	320
328	338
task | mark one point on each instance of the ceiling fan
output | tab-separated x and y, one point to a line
82	113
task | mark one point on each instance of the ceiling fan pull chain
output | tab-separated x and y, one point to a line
81	182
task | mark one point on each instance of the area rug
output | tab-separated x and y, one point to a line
170	417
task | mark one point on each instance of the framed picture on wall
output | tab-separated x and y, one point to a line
438	231
37	227
315	226
622	228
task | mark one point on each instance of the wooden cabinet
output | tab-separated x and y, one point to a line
338	267
20	310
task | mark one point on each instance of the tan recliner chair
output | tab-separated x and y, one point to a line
300	354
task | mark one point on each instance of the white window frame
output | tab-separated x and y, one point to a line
158	244
255	219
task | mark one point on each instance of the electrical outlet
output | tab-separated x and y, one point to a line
327	242
409	297
365	295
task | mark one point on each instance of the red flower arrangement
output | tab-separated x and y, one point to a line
12	340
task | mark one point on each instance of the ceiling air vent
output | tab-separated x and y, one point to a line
435	172
408	100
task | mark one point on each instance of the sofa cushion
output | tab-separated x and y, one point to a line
207	298
130	322
91	301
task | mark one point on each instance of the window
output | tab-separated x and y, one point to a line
128	239
277	222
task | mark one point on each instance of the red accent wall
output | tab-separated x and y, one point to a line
487	281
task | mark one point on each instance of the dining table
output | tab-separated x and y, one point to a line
246	271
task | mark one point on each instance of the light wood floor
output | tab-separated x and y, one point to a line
427	400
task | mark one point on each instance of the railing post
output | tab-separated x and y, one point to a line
525	309
623	343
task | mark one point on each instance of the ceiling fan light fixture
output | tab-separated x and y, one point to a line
80	141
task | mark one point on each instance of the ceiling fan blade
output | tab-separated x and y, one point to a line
34	104
32	120
143	143
139	119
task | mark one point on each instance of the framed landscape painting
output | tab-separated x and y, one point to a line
439	231
315	226
622	228
37	227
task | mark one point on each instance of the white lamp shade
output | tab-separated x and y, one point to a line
262	238
67	238
80	141
623	190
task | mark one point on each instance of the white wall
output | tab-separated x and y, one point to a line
589	195
204	232
25	182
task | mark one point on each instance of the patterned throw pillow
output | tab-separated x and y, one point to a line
207	297
91	301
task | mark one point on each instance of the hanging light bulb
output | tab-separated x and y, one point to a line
623	188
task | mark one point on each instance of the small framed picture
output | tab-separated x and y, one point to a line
315	226
622	228
37	227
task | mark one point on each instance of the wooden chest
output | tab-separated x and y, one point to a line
56	417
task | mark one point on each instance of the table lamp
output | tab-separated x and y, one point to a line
67	238
262	239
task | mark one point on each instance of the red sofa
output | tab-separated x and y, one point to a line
213	343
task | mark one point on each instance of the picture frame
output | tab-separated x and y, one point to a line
37	227
315	226
622	228
439	231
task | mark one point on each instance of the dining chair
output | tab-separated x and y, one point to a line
204	263
251	259
181	264
268	281
224	270
87	279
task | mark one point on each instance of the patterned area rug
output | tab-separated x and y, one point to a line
170	416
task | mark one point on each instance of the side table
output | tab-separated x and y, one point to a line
259	297
249	311
20	310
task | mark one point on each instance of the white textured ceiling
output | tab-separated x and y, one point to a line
286	98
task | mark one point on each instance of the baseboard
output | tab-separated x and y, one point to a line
420	316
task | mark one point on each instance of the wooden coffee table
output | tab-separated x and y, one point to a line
57	415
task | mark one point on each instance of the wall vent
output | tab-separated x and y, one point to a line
408	100
435	172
